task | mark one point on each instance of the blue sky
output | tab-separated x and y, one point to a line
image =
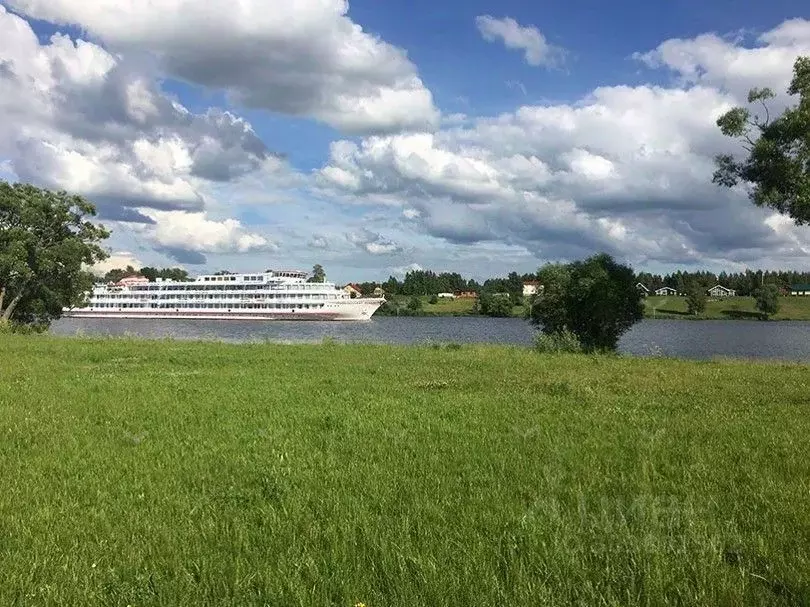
476	136
469	75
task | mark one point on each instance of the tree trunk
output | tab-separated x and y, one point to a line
2	297
10	310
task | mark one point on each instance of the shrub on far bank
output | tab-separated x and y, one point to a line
767	298
696	300
414	304
494	304
557	343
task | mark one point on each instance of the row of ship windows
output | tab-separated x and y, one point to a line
229	287
230	277
229	307
143	296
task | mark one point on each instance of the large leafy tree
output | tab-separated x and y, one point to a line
46	241
696	299
595	299
148	272
318	274
777	167
767	298
495	304
117	274
178	274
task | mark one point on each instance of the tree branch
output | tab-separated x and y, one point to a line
750	143
2	297
10	310
767	113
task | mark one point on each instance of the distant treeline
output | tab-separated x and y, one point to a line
745	283
427	282
152	274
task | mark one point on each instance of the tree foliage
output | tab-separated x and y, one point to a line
318	274
696	299
494	304
46	241
744	283
414	304
777	167
767	298
512	284
367	288
426	282
557	343
117	274
176	274
595	299
148	272
392	286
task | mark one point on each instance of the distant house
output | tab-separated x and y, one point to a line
531	287
643	288
721	291
379	292
466	294
446	296
666	291
800	290
352	290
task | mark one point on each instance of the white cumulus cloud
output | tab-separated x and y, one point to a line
536	49
714	61
304	58
624	169
373	243
117	259
189	236
80	118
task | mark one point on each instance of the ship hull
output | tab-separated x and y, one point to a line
348	310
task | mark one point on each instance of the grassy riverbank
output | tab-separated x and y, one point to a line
170	473
444	307
732	308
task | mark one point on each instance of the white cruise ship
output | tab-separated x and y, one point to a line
272	295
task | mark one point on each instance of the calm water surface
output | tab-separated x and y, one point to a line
685	339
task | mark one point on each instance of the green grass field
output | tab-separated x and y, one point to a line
450	307
791	308
179	473
734	308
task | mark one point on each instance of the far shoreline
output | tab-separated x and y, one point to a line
792	308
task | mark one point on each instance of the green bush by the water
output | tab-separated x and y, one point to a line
172	473
557	343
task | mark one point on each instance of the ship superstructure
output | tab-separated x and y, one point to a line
270	295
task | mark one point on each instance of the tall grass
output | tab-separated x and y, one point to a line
174	473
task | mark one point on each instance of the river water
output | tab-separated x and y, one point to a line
704	339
